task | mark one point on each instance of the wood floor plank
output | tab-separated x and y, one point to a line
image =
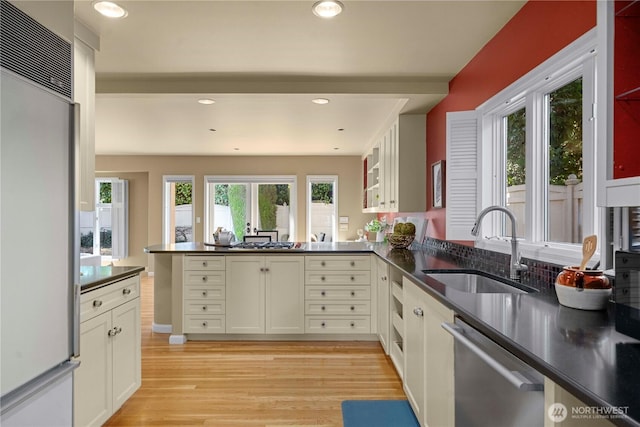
256	383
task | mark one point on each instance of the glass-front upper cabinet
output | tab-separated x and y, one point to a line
619	94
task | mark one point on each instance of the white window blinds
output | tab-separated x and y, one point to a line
461	174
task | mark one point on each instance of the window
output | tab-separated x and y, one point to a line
322	208
177	218
539	134
250	205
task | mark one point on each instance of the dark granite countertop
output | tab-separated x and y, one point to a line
579	350
92	278
315	247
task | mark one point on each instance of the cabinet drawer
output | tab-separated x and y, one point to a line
337	307
338	262
103	299
204	277
345	293
204	293
209	307
203	262
338	277
337	325
196	324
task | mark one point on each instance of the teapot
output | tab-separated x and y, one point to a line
224	237
583	279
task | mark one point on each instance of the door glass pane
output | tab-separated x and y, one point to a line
273	209
104	219
322	214
179	211
515	137
564	195
228	209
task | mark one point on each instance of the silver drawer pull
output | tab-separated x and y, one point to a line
204	293
418	312
126	291
97	303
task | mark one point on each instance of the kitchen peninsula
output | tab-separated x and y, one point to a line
585	361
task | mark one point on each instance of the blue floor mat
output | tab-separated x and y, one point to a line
378	413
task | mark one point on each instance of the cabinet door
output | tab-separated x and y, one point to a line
438	363
414	348
92	383
126	351
383	303
284	294
245	305
391	168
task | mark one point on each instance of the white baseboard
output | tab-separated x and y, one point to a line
177	339
161	328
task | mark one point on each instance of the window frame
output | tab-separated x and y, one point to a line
168	179
320	179
576	60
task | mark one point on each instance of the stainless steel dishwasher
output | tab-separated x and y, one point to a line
492	386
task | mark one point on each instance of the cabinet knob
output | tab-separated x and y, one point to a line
384	278
118	330
204	278
352	308
97	303
353	293
112	332
323	324
126	291
323	293
204	263
205	324
418	312
353	278
323	308
323	263
353	324
204	293
266	269
323	278
204	308
353	263
393	202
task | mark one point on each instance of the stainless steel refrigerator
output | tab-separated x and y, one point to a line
38	264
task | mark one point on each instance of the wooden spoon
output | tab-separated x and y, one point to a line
588	248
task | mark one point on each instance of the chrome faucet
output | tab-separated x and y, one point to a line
515	267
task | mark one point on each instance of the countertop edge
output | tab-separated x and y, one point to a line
112	277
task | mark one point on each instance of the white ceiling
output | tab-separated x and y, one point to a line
263	61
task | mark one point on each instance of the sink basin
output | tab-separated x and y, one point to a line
477	283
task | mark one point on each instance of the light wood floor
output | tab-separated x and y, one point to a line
252	383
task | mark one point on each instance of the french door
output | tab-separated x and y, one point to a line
249	205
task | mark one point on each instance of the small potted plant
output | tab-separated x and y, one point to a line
376	229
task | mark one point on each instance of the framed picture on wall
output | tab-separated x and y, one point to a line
437	184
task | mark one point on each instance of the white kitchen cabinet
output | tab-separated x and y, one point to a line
428	353
265	294
383	289
84	88
395	168
204	294
110	351
338	294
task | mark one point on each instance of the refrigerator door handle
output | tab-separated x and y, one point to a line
75	189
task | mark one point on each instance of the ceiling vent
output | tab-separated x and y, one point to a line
32	51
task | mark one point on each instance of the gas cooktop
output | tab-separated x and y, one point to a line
268	245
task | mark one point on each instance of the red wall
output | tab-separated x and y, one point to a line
539	30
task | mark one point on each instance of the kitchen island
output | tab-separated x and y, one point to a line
578	350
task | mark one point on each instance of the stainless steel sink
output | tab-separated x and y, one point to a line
477	283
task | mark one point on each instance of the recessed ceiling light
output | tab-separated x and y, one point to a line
327	8
320	101
336	148
212	130
206	101
340	129
236	149
110	9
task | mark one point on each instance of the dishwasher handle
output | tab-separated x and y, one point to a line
518	380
